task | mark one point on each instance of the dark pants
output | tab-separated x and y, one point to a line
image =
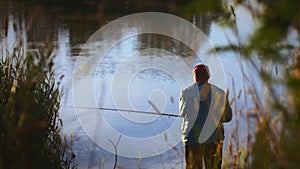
211	153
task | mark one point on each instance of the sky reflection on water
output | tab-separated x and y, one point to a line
143	86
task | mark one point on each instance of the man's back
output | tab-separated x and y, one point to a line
202	106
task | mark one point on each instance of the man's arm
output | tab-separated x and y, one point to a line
182	105
227	113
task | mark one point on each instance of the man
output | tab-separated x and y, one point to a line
204	107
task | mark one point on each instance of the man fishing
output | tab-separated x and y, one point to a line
204	107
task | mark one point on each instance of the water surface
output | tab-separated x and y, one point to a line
68	29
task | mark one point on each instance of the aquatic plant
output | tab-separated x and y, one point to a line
30	127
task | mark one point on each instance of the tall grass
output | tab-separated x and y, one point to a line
30	127
274	137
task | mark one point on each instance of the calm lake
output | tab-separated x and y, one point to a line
144	72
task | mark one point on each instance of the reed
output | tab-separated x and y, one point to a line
30	127
273	113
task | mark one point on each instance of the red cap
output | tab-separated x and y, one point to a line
201	71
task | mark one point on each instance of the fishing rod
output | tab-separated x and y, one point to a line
127	110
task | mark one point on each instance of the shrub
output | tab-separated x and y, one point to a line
29	120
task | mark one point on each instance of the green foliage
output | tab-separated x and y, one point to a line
263	148
29	122
269	43
202	6
271	150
